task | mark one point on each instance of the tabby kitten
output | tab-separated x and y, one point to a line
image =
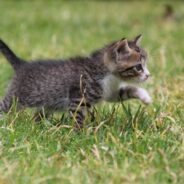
78	83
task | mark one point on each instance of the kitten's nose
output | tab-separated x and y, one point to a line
147	76
147	73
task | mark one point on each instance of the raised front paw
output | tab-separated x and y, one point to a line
143	95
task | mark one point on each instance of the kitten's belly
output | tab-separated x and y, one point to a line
57	104
52	102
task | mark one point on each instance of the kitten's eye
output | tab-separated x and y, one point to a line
138	68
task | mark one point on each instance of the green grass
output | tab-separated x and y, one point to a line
127	143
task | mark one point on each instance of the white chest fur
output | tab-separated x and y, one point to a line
111	85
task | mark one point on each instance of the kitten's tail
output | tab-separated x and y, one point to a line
10	55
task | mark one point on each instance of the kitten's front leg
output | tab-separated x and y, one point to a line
77	111
78	115
128	92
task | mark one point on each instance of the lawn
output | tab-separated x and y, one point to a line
127	142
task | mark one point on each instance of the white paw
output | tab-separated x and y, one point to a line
143	95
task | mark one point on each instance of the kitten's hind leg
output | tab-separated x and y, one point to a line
9	103
5	104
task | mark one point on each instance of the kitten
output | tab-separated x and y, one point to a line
78	83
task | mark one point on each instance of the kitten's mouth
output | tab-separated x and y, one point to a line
136	79
144	79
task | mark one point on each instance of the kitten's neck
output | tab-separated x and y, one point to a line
97	58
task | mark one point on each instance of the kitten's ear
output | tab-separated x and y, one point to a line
122	46
138	39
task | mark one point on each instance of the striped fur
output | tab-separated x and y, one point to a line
78	83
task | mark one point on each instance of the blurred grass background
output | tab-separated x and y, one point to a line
128	143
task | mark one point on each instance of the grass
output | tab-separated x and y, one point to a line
128	142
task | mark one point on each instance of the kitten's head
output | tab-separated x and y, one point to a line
127	60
